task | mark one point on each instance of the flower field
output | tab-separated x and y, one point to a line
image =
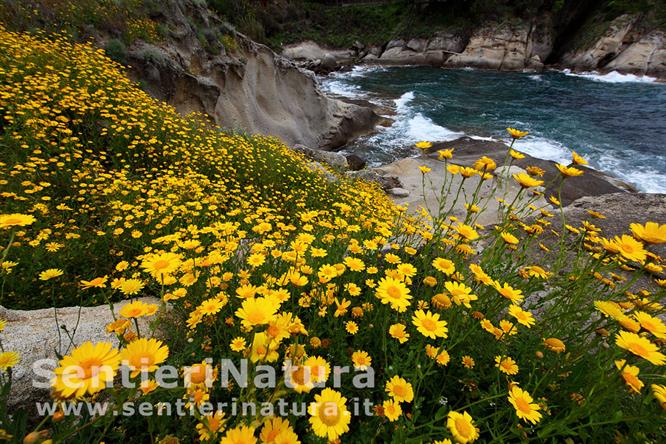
530	330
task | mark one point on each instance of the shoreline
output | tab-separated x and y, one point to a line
387	107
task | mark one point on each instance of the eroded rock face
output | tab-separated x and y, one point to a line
623	47
244	86
507	47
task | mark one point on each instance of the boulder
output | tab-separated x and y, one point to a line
330	158
35	335
416	45
647	56
385	181
355	162
398	192
605	48
448	42
499	46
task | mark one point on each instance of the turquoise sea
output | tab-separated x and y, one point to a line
618	122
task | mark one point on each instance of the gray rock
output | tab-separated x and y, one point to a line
398	192
416	45
394	44
34	335
333	159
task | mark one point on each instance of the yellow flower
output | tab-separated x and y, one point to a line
237	344
527	181
16	220
239	435
509	238
555	345
516	155
393	292
445	154
131	286
461	426
652	324
525	408
329	416
630	375
466	231
506	365
361	360
424	169
630	248
257	311
659	392
87	370
143	355
507	291
468	361
210	425
278	431
444	265
399	389
161	265
9	359
569	171
429	325
137	309
640	347
392	410
485	163
98	282
351	327
460	293
423	145
577	159
516	134
523	317
50	274
651	232
397	331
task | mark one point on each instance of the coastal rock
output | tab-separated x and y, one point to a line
605	48
398	192
355	162
430	196
447	42
244	86
591	183
621	210
35	335
310	55
385	181
647	56
506	47
333	159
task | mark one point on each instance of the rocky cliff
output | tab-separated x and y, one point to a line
623	44
241	85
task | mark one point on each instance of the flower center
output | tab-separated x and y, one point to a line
329	413
463	427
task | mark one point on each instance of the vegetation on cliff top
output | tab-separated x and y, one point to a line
109	194
340	25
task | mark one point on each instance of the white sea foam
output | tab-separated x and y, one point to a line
644	178
410	127
611	77
543	148
342	88
536	77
